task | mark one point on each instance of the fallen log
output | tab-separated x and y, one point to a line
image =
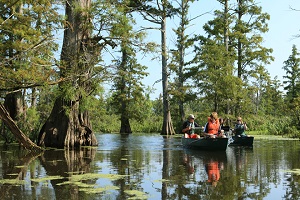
20	136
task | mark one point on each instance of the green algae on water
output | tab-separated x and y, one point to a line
78	183
294	171
99	189
76	179
136	194
47	178
88	176
12	181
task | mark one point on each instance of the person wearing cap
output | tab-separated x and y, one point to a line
240	128
188	127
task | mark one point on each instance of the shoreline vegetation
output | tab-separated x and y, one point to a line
259	126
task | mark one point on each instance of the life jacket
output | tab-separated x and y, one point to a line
213	171
213	128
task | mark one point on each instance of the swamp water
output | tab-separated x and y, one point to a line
148	166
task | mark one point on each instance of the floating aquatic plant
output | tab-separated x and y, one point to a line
88	176
47	178
136	194
272	137
76	179
98	190
12	181
294	171
78	183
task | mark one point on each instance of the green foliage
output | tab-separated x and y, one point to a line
27	47
292	70
152	124
248	24
105	119
106	123
212	76
26	42
31	123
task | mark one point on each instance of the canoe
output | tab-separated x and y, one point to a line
212	144
241	141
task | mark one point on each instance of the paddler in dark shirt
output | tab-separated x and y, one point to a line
188	127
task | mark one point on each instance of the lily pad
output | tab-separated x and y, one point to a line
294	171
12	181
78	183
47	178
98	190
88	176
136	194
77	172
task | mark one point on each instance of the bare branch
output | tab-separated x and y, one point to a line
149	28
293	9
200	15
29	85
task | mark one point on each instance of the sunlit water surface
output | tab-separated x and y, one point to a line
149	166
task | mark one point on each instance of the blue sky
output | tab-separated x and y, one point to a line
283	26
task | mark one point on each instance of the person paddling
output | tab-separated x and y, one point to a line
240	128
188	127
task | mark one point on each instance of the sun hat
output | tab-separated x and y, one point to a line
191	116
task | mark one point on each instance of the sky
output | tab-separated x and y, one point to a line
284	25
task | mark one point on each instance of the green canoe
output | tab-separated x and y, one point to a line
212	144
242	141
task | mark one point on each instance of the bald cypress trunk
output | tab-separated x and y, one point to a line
167	128
68	124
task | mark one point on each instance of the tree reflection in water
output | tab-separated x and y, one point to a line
15	162
65	163
152	167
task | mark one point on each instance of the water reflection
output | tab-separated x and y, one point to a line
15	165
211	162
65	164
152	167
213	171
